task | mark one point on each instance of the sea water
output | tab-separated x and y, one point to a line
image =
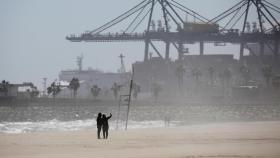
28	119
90	124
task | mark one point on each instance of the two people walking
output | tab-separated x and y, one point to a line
102	123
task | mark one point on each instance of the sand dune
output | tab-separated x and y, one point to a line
227	140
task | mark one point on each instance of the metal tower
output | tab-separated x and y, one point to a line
80	62
122	69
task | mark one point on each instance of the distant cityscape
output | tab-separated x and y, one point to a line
207	76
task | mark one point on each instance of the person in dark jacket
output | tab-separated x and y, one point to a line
105	125
99	123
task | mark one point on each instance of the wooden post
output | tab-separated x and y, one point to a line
167	48
129	98
276	51
241	53
119	109
146	53
201	48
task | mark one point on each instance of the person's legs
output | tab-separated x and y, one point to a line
98	132
106	133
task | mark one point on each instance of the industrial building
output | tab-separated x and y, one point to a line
90	77
25	90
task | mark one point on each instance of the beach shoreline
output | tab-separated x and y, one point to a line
238	140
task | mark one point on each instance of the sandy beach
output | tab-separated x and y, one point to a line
224	140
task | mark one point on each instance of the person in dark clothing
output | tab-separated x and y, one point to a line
105	125
99	123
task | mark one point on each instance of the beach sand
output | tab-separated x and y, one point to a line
224	140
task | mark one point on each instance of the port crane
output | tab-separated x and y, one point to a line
204	31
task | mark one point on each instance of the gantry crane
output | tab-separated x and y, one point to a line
206	31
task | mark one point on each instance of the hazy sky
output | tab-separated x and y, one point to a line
33	44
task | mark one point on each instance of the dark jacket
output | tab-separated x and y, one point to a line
99	121
105	121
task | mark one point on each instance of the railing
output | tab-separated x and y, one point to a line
107	37
229	37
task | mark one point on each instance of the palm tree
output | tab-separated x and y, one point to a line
267	73
33	92
245	74
180	72
95	90
225	78
156	88
196	73
74	85
276	82
116	88
211	71
54	89
136	90
4	87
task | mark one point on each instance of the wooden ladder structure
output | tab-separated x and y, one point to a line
125	100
